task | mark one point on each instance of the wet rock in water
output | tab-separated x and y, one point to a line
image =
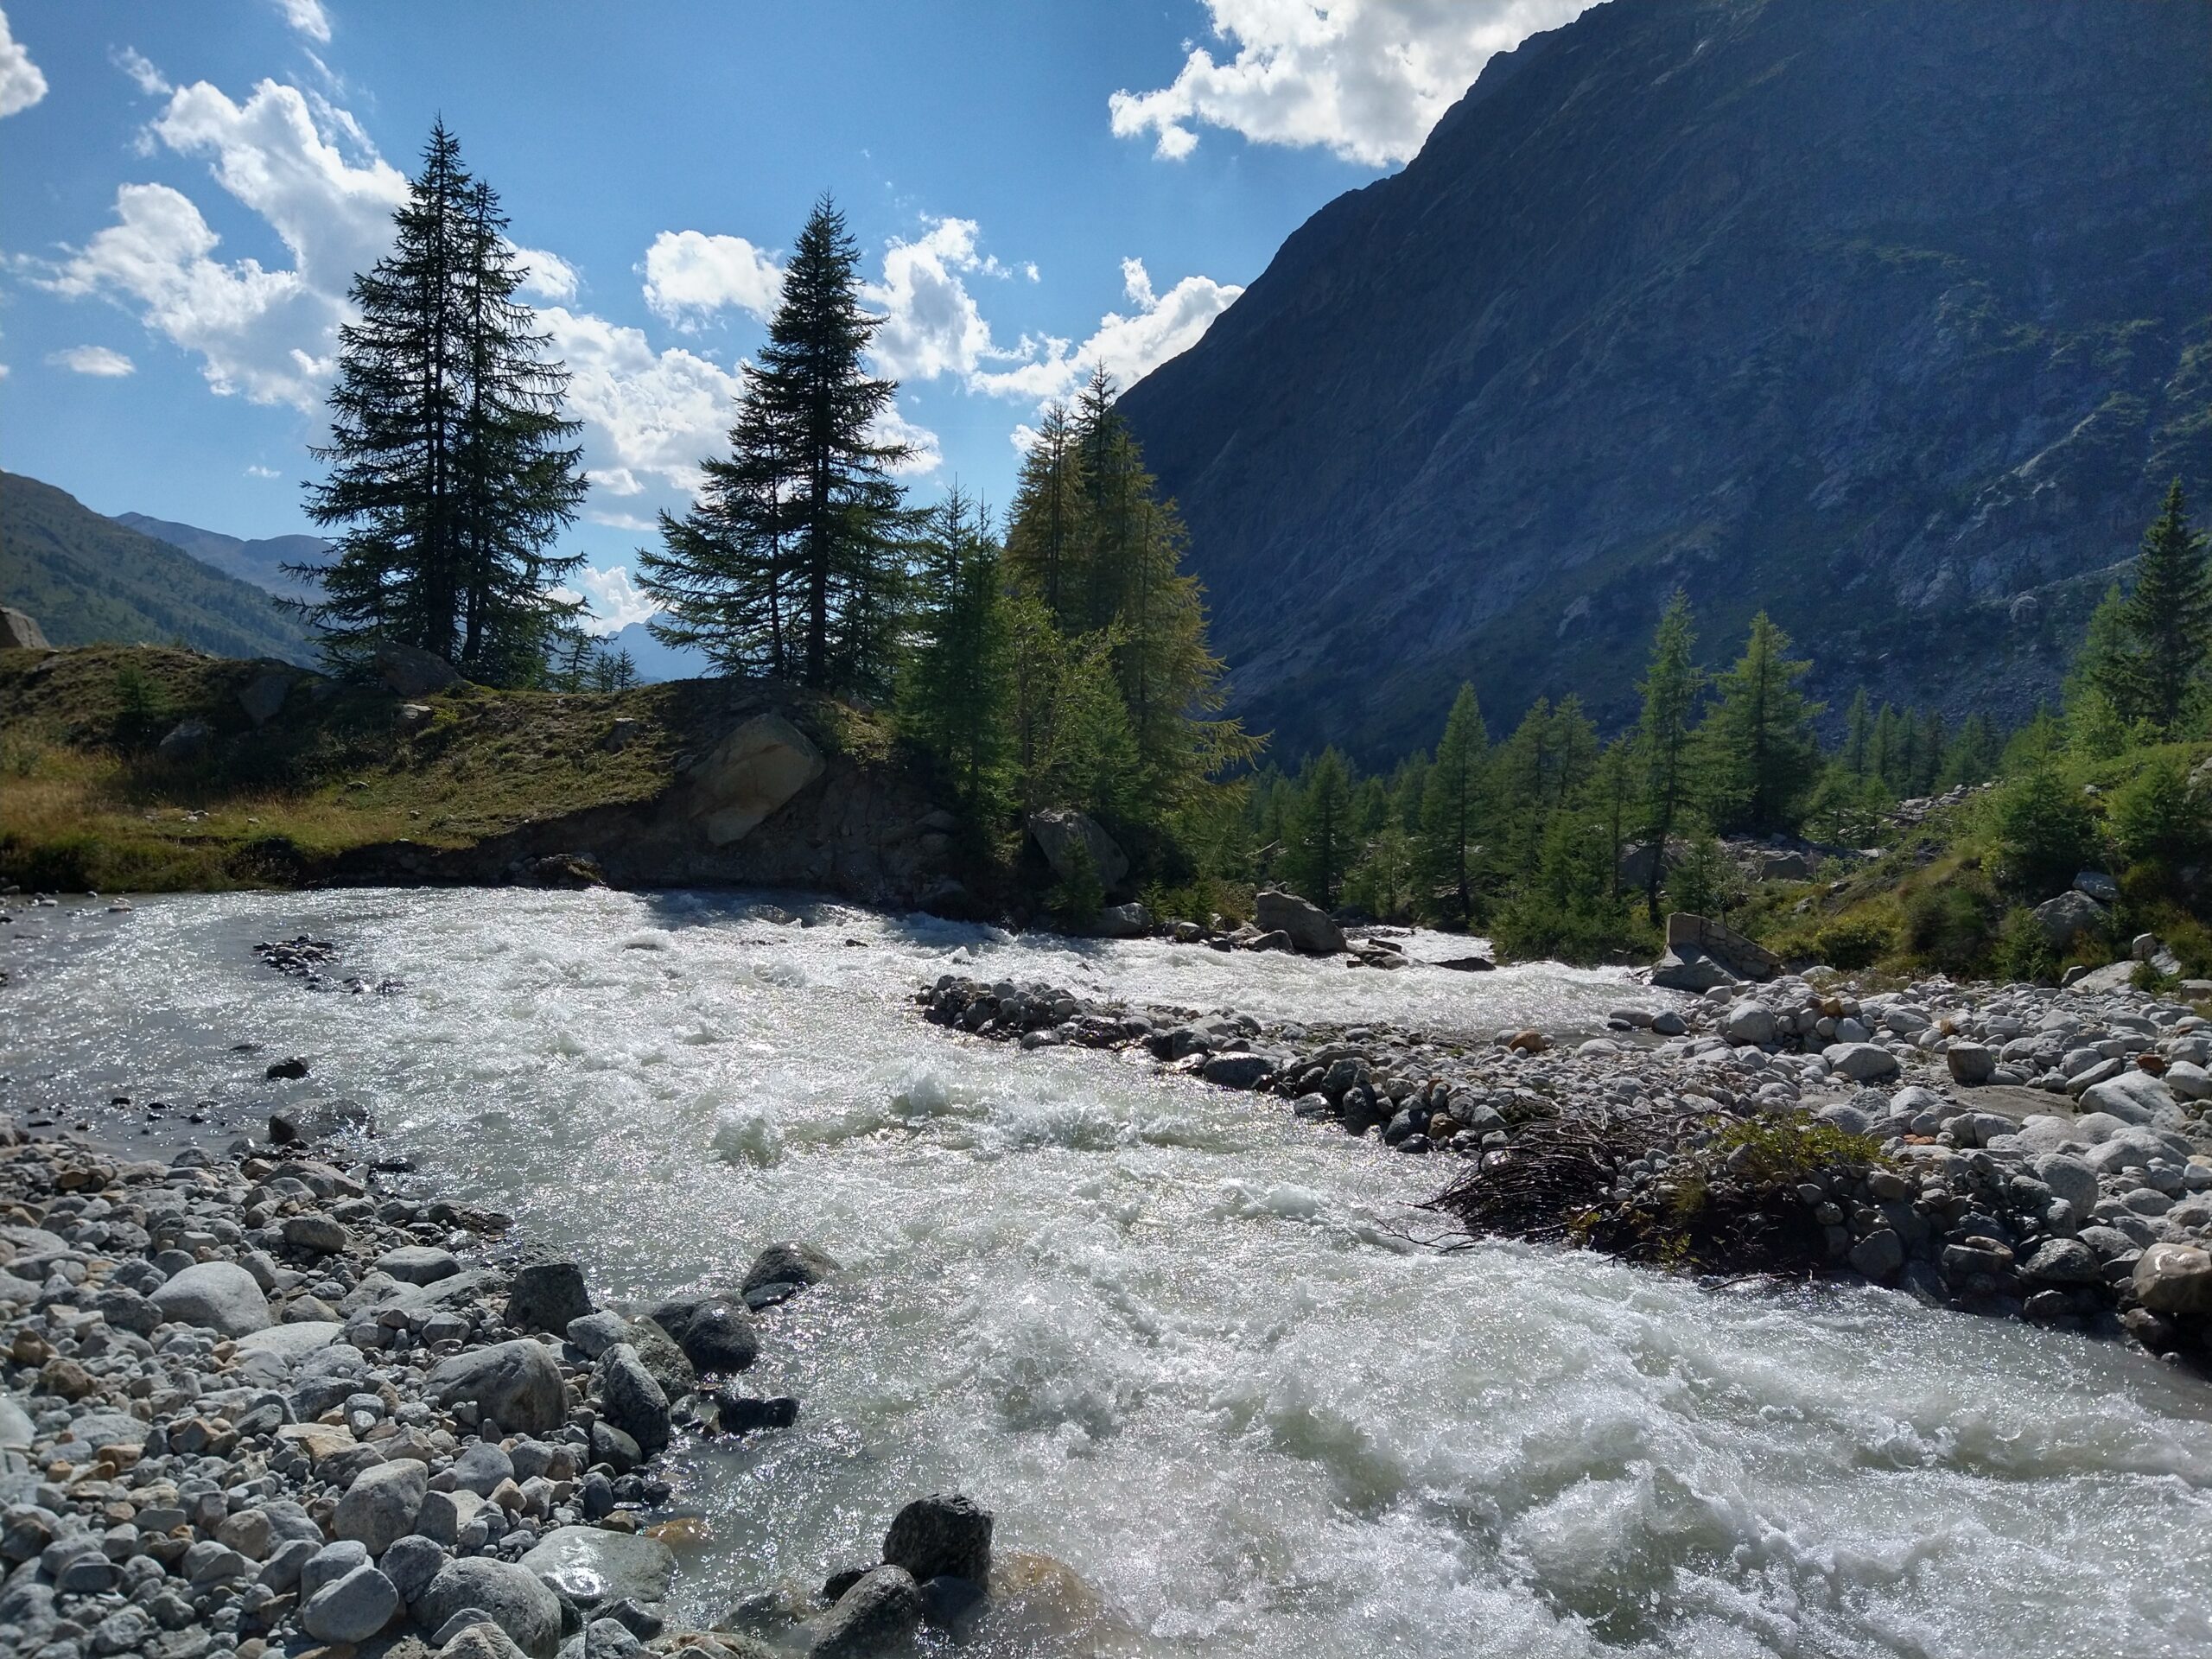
2175	1280
790	1264
1306	925
661	1357
516	1384
547	1296
1468	964
740	1414
220	1296
592	1567
294	1067
943	1533
511	1596
883	1608
1130	921
715	1337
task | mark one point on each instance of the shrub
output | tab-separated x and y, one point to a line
141	707
2044	835
2156	821
1854	942
1950	927
2023	952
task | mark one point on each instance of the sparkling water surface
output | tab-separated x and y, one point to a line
1194	1351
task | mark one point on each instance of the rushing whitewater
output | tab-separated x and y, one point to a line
1194	1349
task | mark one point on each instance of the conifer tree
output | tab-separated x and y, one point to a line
1670	688
1452	807
955	693
796	558
1759	755
2157	664
1321	846
451	466
1045	535
1858	734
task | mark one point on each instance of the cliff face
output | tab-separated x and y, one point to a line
1893	317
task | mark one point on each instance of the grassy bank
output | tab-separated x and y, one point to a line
89	800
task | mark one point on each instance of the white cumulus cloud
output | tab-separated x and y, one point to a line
616	600
1127	347
96	361
551	277
1364	79
21	83
689	276
645	412
932	323
308	18
148	80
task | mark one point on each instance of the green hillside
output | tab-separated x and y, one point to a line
90	580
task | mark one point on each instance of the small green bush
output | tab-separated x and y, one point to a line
2155	820
2044	833
1854	942
1950	927
2023	952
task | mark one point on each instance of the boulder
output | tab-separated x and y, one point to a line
187	741
1130	921
516	1384
1785	867
353	1609
1059	831
1308	925
880	1611
1748	1024
790	1264
219	1296
1861	1062
1743	958
714	1336
2063	1261
547	1295
2067	918
480	1467
590	1565
2134	1096
631	1400
943	1533
2098	886
410	671
379	1507
1971	1064
264	694
2068	1178
2175	1280
513	1597
751	774
659	1353
418	1264
1689	970
316	1235
19	630
1237	1071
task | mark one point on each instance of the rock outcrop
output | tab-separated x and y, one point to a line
1703	954
751	774
20	631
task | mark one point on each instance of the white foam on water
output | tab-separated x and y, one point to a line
1185	1344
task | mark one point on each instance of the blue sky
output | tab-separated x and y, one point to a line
1037	185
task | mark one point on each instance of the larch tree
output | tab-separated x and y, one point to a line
452	468
956	692
1671	685
1321	841
2161	632
1760	756
1452	802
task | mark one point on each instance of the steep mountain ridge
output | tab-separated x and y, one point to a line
1890	317
260	562
90	580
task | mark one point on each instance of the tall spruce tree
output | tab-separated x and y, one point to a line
798	557
1322	842
1759	756
1857	733
451	465
1671	687
1452	801
957	690
1045	535
2155	664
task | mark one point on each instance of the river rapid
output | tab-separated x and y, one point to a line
1181	1342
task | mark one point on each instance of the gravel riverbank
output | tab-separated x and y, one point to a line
275	1403
2013	1150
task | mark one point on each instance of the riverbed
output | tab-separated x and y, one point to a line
1196	1349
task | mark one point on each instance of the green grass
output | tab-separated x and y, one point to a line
85	802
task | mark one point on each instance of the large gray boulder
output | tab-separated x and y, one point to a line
187	741
751	774
631	1400
1861	1062
1061	833
2134	1096
591	1565
19	630
1307	924
1693	940
517	1601
379	1507
353	1609
516	1384
657	1352
547	1295
410	671
219	1296
790	1263
2069	916
715	1337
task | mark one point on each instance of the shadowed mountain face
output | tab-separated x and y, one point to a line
1893	317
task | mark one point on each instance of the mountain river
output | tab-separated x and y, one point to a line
1192	1349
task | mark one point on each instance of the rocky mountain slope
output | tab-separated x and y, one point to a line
261	563
89	579
1893	318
